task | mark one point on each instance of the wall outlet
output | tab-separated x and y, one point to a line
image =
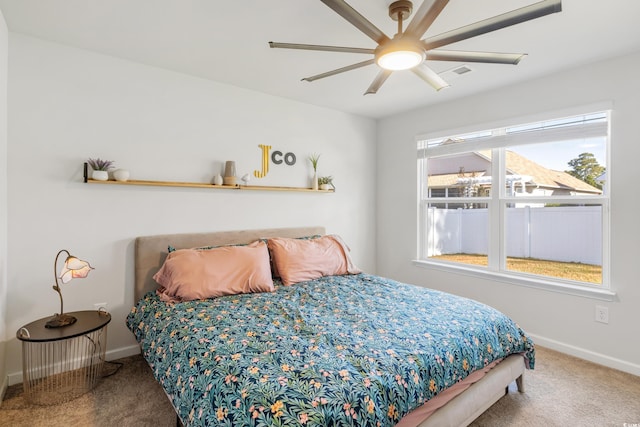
602	314
100	305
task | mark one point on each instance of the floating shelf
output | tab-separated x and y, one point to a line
205	185
201	185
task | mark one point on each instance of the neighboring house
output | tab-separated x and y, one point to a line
469	176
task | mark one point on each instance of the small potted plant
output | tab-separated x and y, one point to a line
314	163
326	182
100	168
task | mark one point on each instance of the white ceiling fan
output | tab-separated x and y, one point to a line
406	50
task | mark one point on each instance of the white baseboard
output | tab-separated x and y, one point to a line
591	356
3	388
118	353
15	378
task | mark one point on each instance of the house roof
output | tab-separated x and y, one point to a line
449	179
519	165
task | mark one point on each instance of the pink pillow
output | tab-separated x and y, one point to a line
301	260
274	268
190	274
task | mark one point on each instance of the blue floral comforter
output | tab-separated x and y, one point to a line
338	351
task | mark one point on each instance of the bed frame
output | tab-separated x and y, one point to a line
151	251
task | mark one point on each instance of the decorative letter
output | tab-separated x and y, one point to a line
265	162
274	157
290	159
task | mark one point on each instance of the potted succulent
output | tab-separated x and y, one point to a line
314	163
326	182
100	168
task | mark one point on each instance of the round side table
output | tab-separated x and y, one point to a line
60	364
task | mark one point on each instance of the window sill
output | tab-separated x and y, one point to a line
564	288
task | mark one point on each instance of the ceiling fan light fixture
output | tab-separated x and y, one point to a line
396	60
400	54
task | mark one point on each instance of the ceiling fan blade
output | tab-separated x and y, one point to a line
423	18
359	21
382	77
340	70
465	56
430	76
514	17
321	47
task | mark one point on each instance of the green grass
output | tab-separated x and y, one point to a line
565	270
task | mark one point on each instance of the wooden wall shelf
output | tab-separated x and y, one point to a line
205	185
199	185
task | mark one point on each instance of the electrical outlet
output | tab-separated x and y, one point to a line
100	305
602	314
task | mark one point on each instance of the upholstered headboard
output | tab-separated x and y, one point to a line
150	251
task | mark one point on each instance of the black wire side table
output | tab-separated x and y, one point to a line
60	364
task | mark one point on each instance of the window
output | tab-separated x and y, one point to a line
527	202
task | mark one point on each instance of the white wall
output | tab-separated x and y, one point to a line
4	52
66	105
560	321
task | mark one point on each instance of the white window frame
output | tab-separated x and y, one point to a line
498	200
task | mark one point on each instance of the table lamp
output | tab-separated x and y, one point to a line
74	268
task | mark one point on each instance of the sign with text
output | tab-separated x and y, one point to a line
277	158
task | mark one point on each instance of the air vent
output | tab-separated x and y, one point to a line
456	72
461	70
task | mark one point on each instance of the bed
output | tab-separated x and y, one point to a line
350	349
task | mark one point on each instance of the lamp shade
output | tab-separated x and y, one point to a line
74	268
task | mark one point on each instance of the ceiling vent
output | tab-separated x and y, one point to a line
456	72
461	70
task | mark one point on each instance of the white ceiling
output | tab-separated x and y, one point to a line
226	41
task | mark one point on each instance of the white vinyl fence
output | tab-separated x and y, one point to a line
568	234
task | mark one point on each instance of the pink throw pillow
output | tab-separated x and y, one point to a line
190	274
301	260
274	268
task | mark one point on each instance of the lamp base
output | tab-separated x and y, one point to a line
60	320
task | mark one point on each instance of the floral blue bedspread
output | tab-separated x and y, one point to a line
338	351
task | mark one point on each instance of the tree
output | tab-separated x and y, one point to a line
586	168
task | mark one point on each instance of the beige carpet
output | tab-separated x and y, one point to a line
561	391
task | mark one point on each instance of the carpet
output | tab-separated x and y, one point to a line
561	391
